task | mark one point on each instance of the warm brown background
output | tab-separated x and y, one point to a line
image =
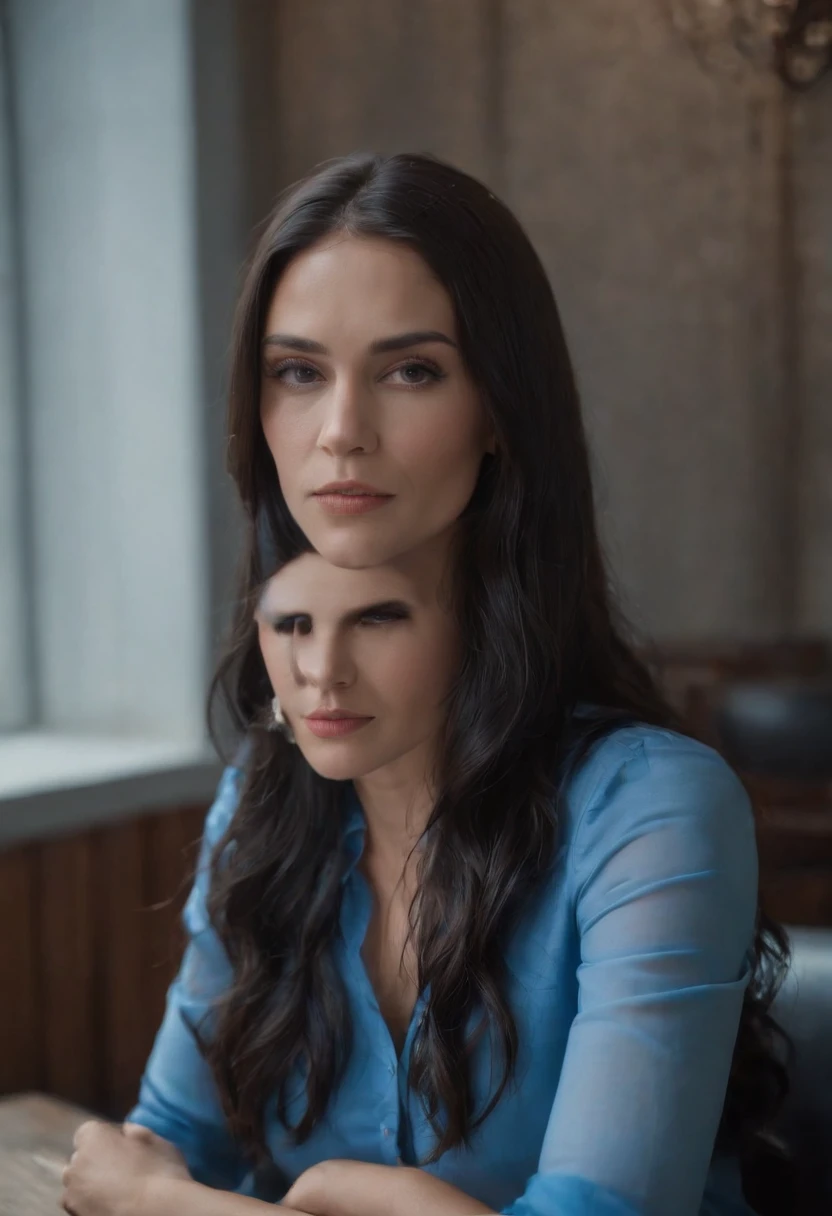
685	217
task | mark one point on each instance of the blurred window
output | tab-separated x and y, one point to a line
15	706
104	557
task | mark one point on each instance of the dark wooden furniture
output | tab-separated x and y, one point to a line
804	1126
794	817
35	1143
694	674
794	838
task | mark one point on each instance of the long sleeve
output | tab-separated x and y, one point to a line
178	1099
664	878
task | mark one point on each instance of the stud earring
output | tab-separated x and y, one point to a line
279	720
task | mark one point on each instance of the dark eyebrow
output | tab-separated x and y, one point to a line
349	618
306	345
415	338
384	346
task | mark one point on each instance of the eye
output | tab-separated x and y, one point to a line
384	616
417	373
298	623
294	373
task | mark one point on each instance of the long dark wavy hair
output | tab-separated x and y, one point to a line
540	634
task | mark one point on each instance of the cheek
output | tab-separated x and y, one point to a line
274	651
288	437
414	680
435	446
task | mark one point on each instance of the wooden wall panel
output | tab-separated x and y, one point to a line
91	941
171	845
66	953
121	957
21	1063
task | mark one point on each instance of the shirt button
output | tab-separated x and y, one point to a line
385	1131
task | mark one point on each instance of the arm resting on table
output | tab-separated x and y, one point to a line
175	1197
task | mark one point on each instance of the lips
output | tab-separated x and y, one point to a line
336	723
351	497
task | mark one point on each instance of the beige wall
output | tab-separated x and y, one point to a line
813	179
651	189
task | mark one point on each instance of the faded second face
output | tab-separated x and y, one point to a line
374	423
362	661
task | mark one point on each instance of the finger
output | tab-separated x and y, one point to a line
138	1131
86	1130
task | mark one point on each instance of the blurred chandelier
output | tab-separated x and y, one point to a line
792	37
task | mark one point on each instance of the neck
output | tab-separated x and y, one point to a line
397	802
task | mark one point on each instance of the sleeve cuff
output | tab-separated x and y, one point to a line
569	1195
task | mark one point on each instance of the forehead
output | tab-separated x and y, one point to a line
311	585
387	286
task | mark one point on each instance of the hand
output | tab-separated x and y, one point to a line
315	1191
109	1172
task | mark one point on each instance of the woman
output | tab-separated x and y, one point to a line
582	945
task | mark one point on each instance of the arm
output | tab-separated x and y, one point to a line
354	1188
178	1098
130	1171
177	1197
664	879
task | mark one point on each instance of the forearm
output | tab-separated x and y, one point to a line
178	1197
418	1193
354	1188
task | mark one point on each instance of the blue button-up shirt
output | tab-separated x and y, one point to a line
625	975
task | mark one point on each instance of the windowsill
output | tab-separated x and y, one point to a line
53	783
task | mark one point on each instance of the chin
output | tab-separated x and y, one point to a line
335	763
350	763
361	542
356	552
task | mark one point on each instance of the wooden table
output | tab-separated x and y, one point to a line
35	1143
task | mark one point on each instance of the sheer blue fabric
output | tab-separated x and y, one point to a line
626	976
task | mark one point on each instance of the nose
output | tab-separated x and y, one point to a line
348	427
323	663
